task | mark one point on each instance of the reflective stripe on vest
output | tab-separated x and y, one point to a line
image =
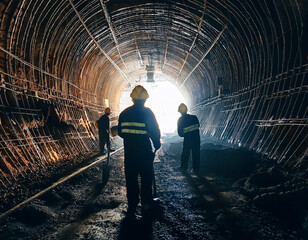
132	124
191	128
133	130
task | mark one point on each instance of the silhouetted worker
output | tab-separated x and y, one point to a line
137	125
103	131
188	127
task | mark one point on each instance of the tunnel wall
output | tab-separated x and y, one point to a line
261	95
45	117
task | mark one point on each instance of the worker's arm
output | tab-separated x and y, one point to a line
120	127
153	130
180	127
107	126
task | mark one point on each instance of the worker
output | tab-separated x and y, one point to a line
138	127
103	131
188	127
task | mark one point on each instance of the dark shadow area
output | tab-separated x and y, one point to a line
221	160
89	209
33	214
207	193
106	173
140	229
37	212
289	206
227	162
218	208
239	189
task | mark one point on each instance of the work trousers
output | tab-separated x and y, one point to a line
139	163
191	145
104	140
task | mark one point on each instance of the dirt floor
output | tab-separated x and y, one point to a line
238	195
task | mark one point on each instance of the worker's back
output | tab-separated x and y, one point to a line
137	124
188	126
103	124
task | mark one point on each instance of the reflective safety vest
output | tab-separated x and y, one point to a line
133	128
188	125
137	126
191	128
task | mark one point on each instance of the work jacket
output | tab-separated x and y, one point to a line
137	125
188	126
103	124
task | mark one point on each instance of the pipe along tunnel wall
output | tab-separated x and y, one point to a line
241	64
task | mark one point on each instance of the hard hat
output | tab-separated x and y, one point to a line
182	108
107	110
139	92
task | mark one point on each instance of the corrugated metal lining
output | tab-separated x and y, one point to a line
243	65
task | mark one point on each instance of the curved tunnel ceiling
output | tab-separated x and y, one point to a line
241	64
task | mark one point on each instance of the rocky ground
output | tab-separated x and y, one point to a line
238	195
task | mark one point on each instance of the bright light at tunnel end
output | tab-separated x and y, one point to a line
164	99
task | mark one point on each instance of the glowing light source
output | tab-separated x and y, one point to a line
164	101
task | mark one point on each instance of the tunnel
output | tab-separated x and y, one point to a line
240	66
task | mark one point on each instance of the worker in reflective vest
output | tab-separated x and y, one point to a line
188	127
138	126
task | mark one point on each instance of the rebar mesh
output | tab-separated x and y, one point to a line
242	64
